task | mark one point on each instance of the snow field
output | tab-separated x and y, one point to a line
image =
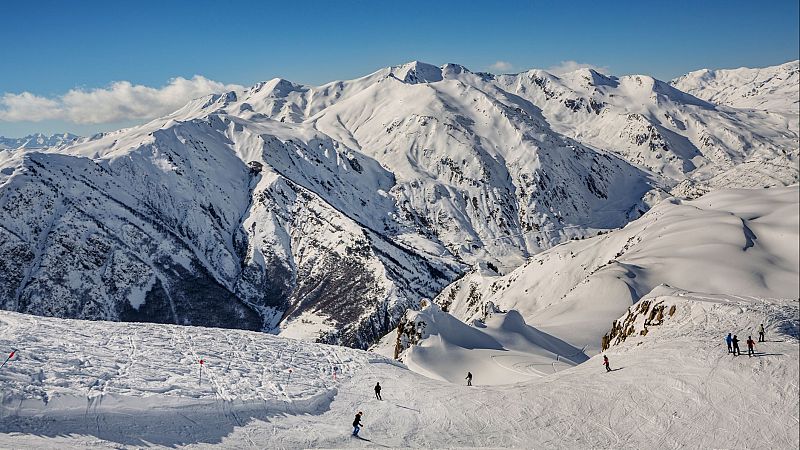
64	357
676	386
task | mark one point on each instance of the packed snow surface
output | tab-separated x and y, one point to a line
119	385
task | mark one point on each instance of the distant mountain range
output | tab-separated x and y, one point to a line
38	140
324	212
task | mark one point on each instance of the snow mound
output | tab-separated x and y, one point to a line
501	347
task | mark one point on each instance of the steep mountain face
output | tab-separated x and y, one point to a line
770	95
38	140
172	226
325	212
694	144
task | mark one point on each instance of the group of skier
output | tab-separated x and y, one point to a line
357	421
733	342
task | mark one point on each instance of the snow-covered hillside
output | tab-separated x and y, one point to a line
324	212
773	89
735	242
113	385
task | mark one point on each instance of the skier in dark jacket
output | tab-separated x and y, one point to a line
729	341
761	333
605	363
751	346
378	391
469	378
357	424
736	350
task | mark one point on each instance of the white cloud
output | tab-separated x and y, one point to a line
20	107
119	101
501	66
571	66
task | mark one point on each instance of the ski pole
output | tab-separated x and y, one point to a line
200	373
13	351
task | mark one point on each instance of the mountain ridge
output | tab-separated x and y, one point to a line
325	212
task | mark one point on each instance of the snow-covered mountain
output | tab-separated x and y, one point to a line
731	242
696	145
325	212
38	140
773	89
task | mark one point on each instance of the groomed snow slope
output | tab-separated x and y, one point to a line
675	387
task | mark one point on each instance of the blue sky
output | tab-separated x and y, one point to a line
51	47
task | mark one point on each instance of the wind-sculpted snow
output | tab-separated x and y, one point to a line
324	212
113	385
500	346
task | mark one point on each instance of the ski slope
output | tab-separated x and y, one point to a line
123	385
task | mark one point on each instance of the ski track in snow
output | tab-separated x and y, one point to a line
117	385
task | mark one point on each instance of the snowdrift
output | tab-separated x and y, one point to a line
501	347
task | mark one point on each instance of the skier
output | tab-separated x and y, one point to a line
605	363
761	333
750	346
357	424
736	350
729	340
469	378
378	391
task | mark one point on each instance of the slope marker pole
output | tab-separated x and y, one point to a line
13	351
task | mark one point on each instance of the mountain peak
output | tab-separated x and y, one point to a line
415	72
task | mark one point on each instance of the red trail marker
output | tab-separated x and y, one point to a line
14	351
